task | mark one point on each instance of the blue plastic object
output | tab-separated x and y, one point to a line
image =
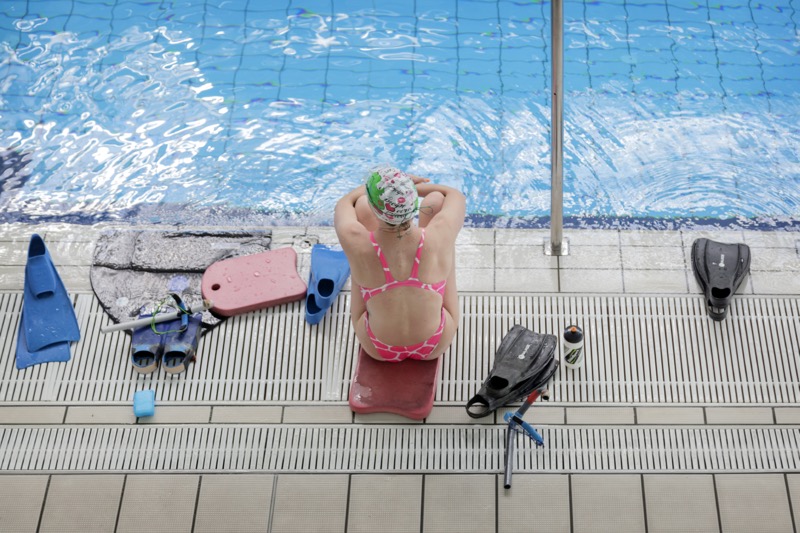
520	426
329	271
144	403
48	322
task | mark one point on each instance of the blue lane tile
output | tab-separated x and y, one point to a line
769	13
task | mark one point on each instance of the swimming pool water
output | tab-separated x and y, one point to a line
185	111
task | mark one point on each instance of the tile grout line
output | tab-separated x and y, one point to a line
789	496
422	505
571	504
347	501
273	499
644	502
716	500
44	503
121	499
497	502
197	502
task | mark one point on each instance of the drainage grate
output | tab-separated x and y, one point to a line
639	349
401	449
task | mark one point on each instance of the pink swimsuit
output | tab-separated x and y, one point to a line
415	351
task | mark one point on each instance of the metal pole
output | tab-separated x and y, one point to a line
557	246
511	437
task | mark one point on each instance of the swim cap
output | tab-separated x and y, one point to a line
392	195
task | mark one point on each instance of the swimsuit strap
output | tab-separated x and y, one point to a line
382	258
387	273
415	268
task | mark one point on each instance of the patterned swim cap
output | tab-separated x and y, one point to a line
392	195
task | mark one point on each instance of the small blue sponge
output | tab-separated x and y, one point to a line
144	403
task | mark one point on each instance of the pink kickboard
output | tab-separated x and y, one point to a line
249	282
406	388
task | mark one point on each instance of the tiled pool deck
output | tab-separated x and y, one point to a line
693	464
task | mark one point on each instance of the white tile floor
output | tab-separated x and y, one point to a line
489	261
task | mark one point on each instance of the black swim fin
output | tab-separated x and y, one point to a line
719	268
524	362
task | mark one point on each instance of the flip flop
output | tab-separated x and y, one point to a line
329	271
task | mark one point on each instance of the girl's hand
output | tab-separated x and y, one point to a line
417	179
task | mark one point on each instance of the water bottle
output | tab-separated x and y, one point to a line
573	347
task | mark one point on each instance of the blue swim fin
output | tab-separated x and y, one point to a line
147	346
180	346
56	352
48	321
329	271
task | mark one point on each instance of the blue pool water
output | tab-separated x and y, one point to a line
676	112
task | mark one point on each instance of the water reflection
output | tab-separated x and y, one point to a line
281	116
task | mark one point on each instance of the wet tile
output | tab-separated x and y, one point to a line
607	502
771	239
722	235
324	234
782	283
19	233
75	278
310	502
475	236
71	253
371	508
526	280
592	237
14	253
12	278
524	257
158	503
592	258
774	260
474	256
234	503
285	235
694	495
655	258
519	237
82	503
655	281
21	499
73	233
753	502
640	238
591	281
468	279
550	514
463	503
